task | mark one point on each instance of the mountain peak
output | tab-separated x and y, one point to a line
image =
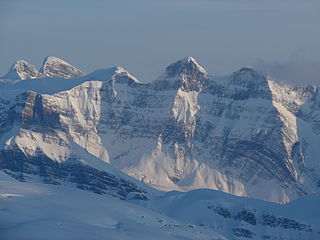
187	66
56	67
185	73
22	70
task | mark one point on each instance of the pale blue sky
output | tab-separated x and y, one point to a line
146	35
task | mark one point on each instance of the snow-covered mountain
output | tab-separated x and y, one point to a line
37	211
242	134
22	70
51	67
56	67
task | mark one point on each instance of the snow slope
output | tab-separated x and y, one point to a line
41	211
36	211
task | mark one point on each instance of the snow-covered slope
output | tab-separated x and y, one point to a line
246	135
37	211
243	218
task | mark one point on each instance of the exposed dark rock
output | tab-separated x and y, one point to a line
247	216
224	212
241	232
286	223
22	168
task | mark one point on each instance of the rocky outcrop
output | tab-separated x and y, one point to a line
72	171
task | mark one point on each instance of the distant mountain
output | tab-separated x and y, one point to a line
243	134
56	67
51	67
22	70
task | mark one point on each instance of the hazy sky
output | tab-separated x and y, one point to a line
144	36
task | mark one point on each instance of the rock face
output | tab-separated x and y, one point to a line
22	70
70	173
56	67
243	134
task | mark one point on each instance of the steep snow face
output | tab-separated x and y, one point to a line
299	109
22	70
248	135
56	67
71	114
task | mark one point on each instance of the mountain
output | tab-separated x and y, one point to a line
56	67
51	67
22	70
243	134
42	211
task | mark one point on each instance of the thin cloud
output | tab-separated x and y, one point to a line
294	71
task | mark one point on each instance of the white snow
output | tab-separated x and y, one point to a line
38	211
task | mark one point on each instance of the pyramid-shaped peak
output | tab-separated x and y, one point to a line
22	70
187	65
56	67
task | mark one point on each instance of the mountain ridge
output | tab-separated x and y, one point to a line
51	67
184	130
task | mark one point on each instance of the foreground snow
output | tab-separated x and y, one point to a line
38	211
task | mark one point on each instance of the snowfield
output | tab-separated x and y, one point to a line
39	211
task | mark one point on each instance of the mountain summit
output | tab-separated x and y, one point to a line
187	65
56	67
185	73
22	70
